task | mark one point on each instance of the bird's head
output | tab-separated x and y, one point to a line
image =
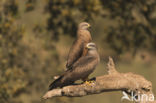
91	46
84	26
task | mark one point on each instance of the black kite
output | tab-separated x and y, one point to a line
81	69
78	48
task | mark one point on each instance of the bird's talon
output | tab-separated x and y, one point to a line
86	82
89	82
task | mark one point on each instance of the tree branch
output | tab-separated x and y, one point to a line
114	81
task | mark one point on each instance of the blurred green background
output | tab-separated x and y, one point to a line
35	37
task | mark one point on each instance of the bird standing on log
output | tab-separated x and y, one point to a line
78	48
81	69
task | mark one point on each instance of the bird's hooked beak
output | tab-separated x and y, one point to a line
89	25
88	47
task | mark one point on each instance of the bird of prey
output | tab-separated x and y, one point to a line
78	47
80	70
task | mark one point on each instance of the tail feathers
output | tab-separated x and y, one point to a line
56	83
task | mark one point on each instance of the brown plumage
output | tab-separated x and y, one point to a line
78	48
80	69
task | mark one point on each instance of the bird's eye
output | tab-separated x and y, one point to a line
92	45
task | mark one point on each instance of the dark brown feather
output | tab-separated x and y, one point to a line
79	70
78	48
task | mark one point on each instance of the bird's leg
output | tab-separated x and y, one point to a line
87	81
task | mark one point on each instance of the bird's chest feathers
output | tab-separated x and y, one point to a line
84	35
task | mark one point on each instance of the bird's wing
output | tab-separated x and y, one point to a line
78	48
80	69
75	53
83	61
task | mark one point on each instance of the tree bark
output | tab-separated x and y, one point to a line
114	81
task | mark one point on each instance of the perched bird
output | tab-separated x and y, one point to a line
78	47
81	69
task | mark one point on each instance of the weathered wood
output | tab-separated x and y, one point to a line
114	81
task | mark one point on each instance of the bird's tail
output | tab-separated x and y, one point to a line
56	83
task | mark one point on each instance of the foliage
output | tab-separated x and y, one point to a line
134	25
30	5
11	75
66	14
